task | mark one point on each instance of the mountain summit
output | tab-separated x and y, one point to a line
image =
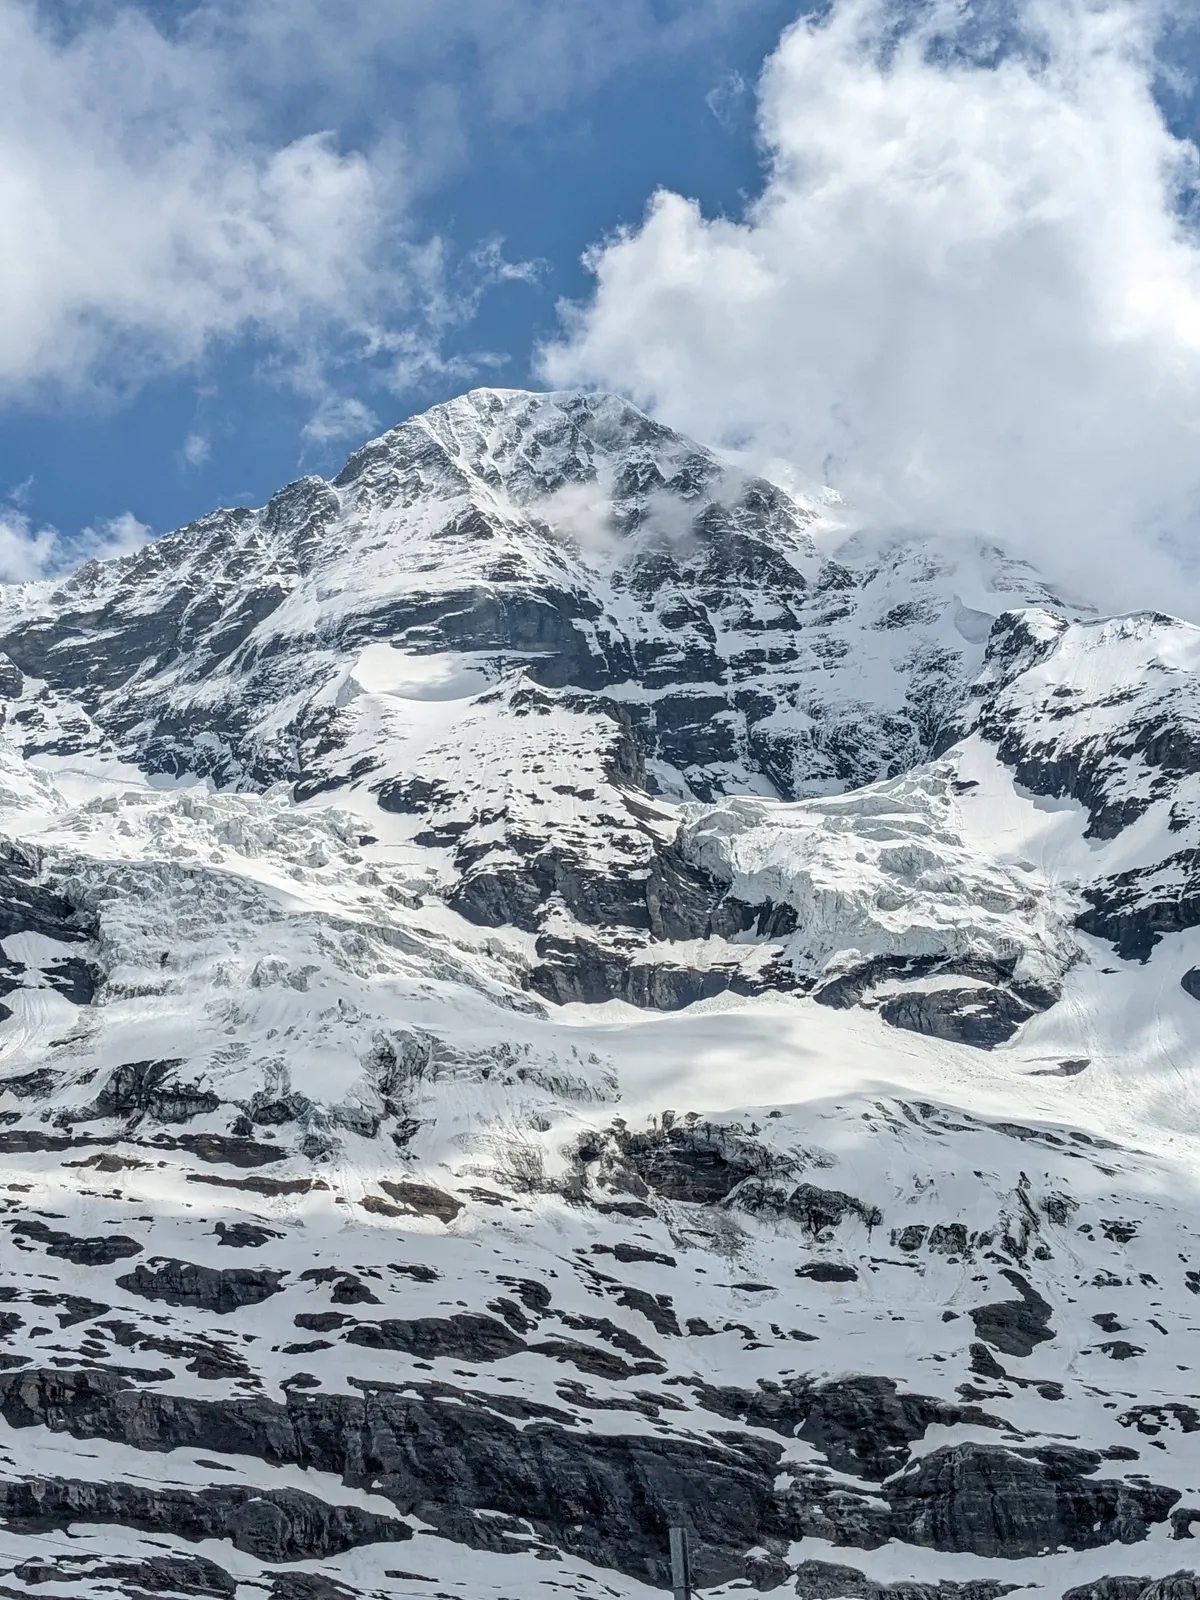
548	995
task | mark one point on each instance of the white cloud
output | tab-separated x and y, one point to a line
105	540
26	553
965	297
29	553
142	223
169	184
195	450
339	417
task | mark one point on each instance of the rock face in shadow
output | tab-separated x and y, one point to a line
1177	1586
824	1580
272	1524
862	1426
995	1502
422	1199
610	1497
149	1088
219	1289
702	1164
817	1210
1015	1326
466	1337
99	1251
981	1015
174	1574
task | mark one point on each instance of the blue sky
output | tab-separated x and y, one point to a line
941	255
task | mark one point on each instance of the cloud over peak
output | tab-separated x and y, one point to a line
967	295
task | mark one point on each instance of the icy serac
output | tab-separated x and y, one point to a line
547	996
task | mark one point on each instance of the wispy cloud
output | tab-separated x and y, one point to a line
195	450
337	418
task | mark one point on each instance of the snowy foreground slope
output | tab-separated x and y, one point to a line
544	998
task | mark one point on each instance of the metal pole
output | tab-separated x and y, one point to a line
681	1568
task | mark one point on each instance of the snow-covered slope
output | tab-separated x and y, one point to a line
544	999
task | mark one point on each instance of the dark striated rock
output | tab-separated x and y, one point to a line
272	1524
219	1289
703	1164
657	1309
422	1198
815	1209
633	1252
996	1502
1179	1586
610	1498
862	1425
1135	908
1015	1326
145	1088
220	1147
310	1586
828	1272
244	1235
100	1251
823	1580
607	1329
210	1359
175	1574
588	972
29	905
21	1141
29	1085
466	1337
256	1185
589	1359
982	1016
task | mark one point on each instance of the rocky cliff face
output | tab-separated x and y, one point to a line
545	997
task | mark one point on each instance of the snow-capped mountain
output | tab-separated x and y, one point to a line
549	995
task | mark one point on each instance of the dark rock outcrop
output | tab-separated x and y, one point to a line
174	1574
219	1289
100	1251
824	1580
272	1524
1015	1327
996	1502
466	1337
863	1426
982	1016
610	1498
150	1089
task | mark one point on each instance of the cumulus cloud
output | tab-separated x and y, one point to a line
29	553
968	296
142	221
